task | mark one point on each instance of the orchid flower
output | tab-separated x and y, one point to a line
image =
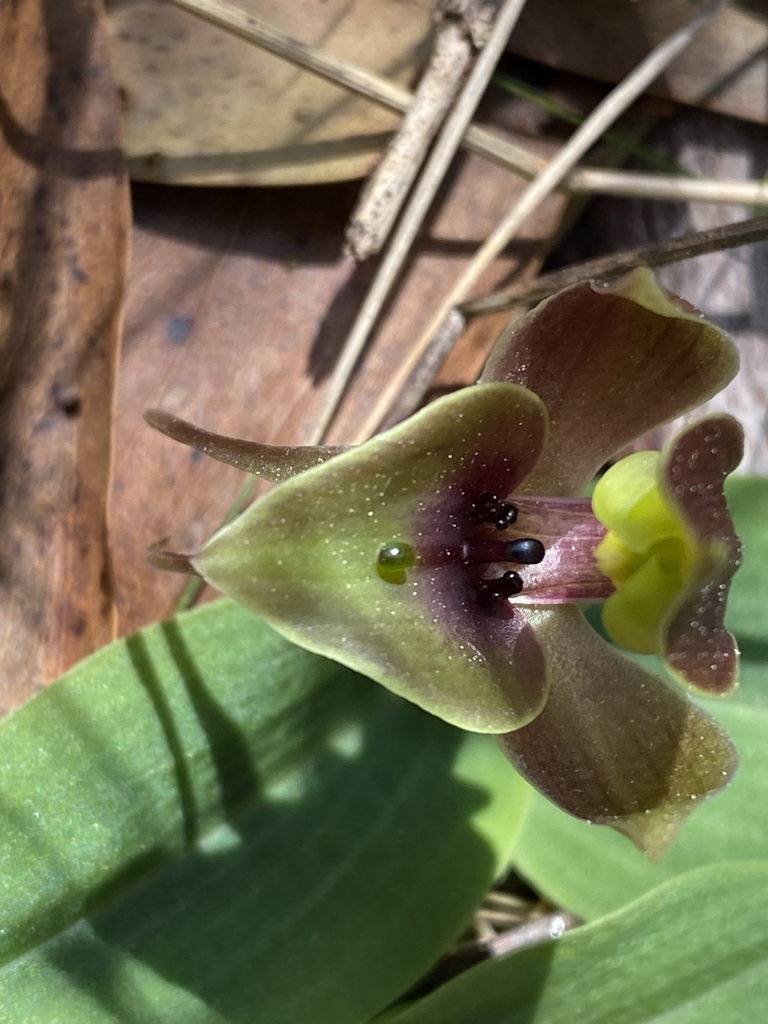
450	557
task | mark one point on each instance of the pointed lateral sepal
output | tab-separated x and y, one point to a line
698	649
169	561
306	555
272	462
614	744
611	361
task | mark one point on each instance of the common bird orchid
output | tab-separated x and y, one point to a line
450	558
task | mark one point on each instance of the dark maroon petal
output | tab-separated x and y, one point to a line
610	362
614	744
699	649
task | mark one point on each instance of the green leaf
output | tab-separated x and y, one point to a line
204	823
559	854
694	951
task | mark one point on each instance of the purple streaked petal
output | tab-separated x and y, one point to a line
699	649
570	533
610	361
615	744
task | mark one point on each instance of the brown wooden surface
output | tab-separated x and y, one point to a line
64	218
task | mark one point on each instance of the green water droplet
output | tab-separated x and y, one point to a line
394	560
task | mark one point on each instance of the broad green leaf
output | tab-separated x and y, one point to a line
204	823
589	869
695	951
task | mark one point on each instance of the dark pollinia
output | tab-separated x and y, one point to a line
493	591
500	514
525	551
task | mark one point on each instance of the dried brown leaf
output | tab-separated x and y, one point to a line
64	217
724	69
205	107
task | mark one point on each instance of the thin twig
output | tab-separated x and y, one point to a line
388	185
425	371
479	140
655	254
647	185
349	76
482	141
606	112
418	205
542	929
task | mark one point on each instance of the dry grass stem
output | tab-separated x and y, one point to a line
656	254
424	372
386	188
668	187
349	76
416	209
560	173
482	141
601	118
542	929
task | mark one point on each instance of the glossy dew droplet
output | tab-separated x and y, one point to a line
395	558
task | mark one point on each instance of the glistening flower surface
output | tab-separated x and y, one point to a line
444	557
415	485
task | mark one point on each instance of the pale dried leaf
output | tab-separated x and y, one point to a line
205	107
